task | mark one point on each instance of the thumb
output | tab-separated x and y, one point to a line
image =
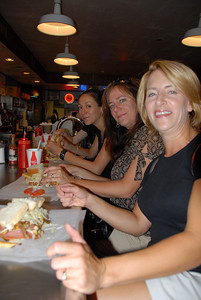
74	234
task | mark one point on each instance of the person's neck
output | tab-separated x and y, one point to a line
175	142
100	124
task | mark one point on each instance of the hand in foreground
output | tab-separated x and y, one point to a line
82	269
73	195
55	174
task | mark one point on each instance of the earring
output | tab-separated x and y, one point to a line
117	125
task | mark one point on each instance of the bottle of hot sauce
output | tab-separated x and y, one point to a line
23	145
12	153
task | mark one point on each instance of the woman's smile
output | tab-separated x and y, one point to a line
162	113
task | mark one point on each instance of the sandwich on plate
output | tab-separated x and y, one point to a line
33	177
34	174
23	218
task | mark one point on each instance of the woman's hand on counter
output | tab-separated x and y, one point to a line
82	269
57	174
73	195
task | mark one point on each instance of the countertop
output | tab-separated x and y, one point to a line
35	280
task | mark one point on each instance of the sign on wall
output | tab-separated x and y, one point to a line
69	98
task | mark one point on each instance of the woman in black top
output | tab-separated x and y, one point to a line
90	111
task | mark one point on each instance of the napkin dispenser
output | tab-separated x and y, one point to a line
2	152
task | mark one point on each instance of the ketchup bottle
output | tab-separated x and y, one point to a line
38	131
23	145
12	151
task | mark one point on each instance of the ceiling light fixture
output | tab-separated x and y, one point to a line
66	58
192	37
9	59
73	83
56	23
70	74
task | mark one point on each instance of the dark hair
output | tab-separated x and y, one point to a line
95	93
55	112
74	113
118	136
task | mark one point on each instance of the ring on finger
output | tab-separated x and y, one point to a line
64	275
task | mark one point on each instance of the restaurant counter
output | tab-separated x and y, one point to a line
34	280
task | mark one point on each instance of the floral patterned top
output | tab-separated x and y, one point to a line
145	144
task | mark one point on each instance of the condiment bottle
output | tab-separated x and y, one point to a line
23	145
38	131
12	152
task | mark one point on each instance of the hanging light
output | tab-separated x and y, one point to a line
192	37
73	83
70	74
66	58
56	23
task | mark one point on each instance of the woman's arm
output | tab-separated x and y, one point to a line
124	188
72	139
130	222
97	166
81	135
84	174
61	175
83	152
71	143
175	254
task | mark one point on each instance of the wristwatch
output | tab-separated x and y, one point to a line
62	154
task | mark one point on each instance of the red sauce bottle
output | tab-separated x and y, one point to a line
23	145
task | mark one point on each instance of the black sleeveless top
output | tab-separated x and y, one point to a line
166	188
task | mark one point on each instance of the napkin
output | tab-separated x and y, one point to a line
16	190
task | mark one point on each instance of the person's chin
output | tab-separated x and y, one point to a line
123	123
87	122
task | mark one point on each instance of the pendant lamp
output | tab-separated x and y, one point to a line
192	37
73	83
66	58
70	74
56	23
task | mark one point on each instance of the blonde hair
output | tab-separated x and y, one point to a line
186	82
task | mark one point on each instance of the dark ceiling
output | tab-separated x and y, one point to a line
114	38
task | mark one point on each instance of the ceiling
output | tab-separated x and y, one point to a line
114	38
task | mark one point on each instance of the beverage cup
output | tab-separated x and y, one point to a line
46	127
45	138
34	156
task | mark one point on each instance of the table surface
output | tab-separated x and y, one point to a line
36	280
